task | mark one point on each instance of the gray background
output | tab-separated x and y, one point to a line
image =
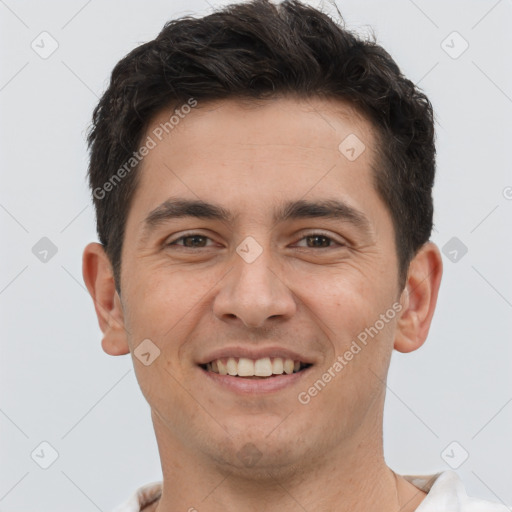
56	383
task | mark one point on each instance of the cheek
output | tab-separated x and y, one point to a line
348	309
161	307
165	295
344	302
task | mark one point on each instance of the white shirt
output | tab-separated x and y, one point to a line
445	493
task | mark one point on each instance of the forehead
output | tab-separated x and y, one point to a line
247	153
303	122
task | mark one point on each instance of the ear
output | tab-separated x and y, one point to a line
419	298
99	279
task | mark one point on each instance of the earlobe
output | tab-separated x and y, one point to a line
98	277
419	298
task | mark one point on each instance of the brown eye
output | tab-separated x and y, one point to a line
320	241
191	241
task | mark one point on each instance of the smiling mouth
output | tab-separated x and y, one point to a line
264	368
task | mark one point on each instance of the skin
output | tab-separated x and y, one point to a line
250	158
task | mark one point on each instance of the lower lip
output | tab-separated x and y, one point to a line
248	386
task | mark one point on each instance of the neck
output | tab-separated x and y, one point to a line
351	478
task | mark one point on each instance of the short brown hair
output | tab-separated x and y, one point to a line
255	50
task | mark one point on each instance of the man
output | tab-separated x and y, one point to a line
263	186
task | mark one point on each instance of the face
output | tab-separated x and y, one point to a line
263	275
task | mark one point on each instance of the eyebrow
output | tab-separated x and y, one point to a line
292	210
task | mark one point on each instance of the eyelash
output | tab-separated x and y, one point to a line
313	234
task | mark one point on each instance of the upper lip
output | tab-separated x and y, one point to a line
251	353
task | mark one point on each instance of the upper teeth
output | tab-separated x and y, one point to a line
244	367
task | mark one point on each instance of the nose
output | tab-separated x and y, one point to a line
254	293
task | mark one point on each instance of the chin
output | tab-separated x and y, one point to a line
258	453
